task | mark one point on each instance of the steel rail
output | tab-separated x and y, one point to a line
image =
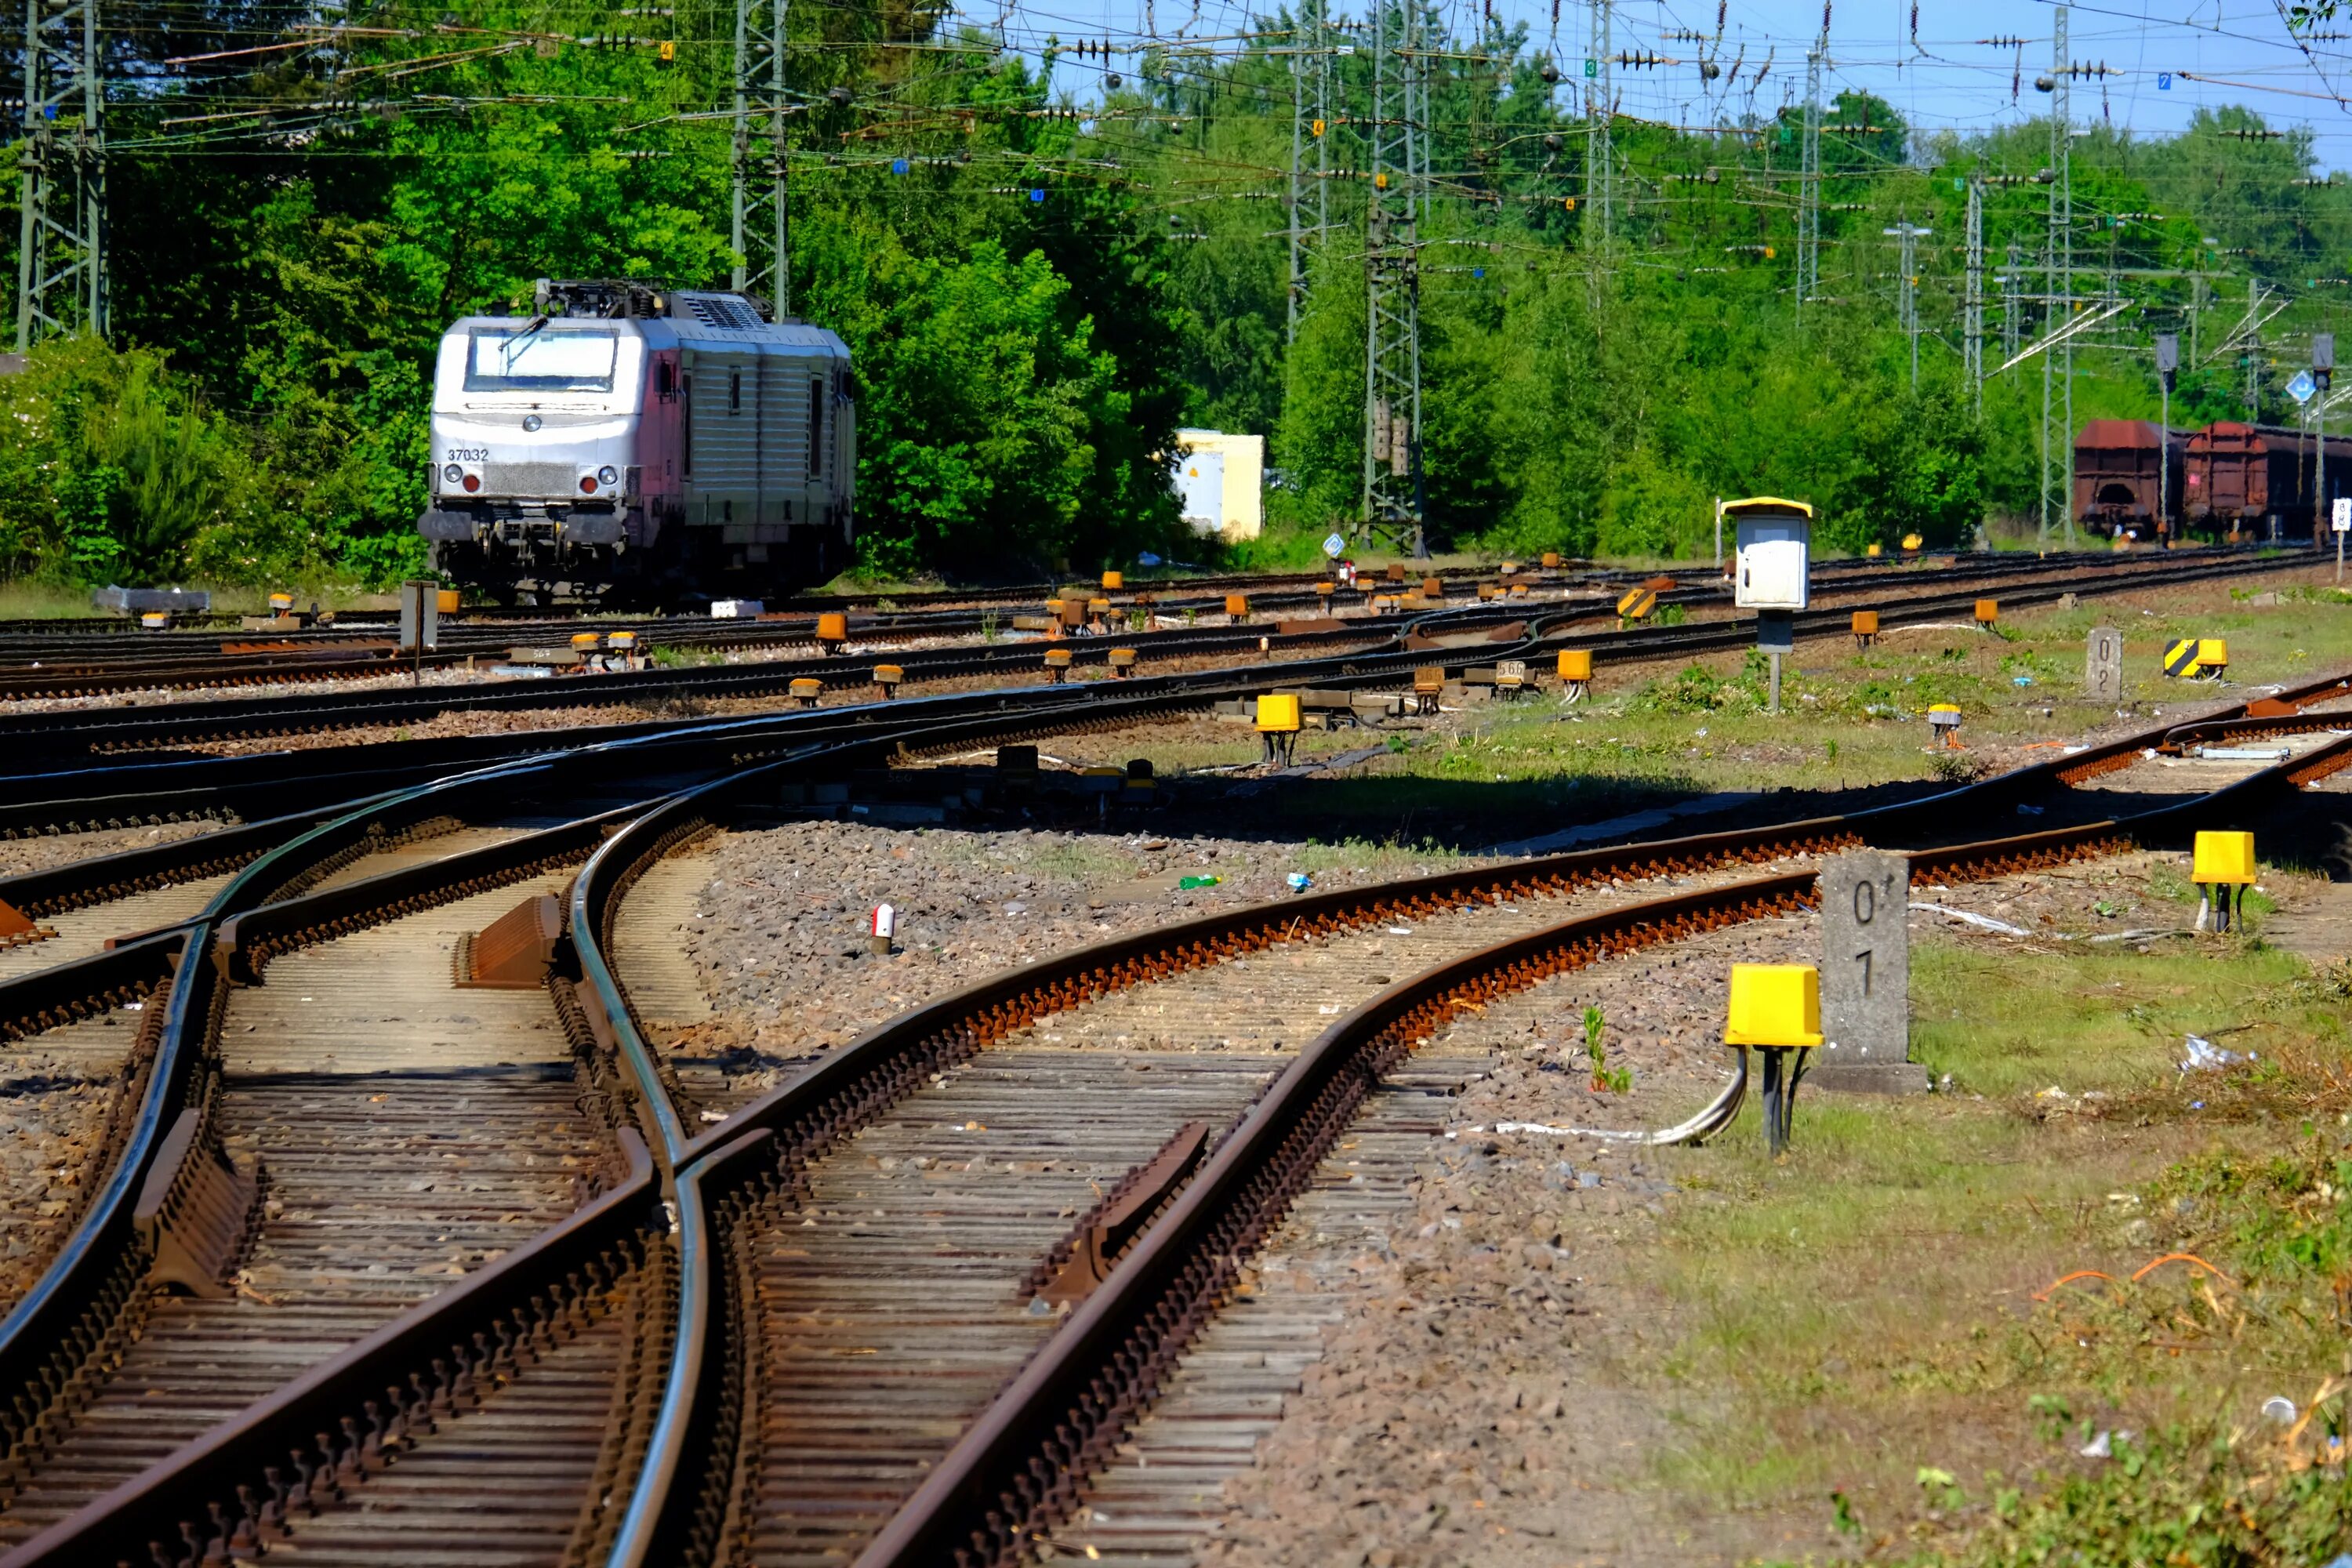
185	722
1021	1464
824	1105
50	666
735	1129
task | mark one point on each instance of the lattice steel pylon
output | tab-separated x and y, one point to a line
1600	110
762	212
1393	491
1310	86
61	216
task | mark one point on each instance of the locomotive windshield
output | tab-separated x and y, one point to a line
541	359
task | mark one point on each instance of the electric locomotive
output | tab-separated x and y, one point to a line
633	443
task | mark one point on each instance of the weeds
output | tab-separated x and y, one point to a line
1606	1079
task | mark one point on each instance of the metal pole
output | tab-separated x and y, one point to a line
783	214
1599	159
31	187
736	234
2063	193
1975	326
1297	147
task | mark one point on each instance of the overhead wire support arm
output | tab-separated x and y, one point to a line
2067	332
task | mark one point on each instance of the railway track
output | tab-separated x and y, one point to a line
72	739
55	665
721	1181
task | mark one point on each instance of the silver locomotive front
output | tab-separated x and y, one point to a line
536	438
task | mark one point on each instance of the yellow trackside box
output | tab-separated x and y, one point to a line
1873	551
1113	582
832	627
445	601
1774	1005
1277	714
585	639
1551	560
1236	604
2224	857
1911	542
2187	659
1865	623
1576	664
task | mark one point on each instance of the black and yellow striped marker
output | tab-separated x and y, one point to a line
2190	659
1637	604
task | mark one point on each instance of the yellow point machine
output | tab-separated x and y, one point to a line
2222	867
1775	1008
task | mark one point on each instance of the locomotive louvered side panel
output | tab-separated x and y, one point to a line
784	435
722	477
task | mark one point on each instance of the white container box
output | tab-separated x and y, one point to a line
1775	539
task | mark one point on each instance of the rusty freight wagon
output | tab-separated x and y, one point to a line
2242	476
2127	477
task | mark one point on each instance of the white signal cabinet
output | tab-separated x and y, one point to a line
1771	570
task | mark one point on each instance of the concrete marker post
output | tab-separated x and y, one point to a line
1867	975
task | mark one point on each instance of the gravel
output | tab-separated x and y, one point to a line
55	1089
780	937
45	852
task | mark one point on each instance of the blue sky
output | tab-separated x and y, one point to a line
2168	59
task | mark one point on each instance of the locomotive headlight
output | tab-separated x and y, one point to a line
608	475
531	421
452	474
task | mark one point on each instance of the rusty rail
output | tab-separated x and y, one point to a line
1021	1467
248	1483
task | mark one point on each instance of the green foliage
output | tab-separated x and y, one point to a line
1024	364
115	468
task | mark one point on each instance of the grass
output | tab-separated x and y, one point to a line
1862	1330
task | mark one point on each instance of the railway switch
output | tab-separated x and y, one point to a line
1575	674
886	677
1988	614
805	689
1775	1008
831	631
1122	663
1058	664
1279	725
2222	867
1866	627
1944	723
2196	659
